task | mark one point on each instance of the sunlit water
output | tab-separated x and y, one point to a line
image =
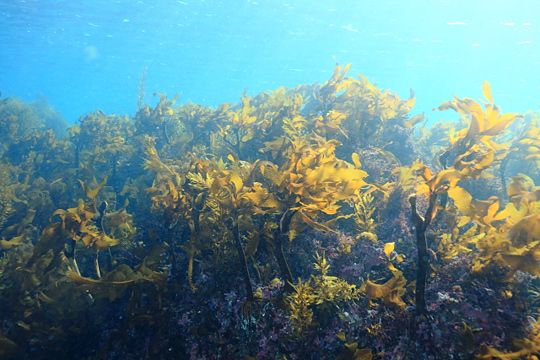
86	55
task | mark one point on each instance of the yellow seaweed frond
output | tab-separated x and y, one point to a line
15	241
112	285
391	291
483	212
92	193
336	82
351	352
527	348
389	248
522	190
484	125
525	231
527	262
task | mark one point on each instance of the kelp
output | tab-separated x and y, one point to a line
192	210
524	145
312	181
506	236
483	126
113	284
351	352
522	191
528	348
482	212
471	151
5	195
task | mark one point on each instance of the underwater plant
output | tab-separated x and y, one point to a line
317	300
189	231
5	196
17	120
51	118
472	150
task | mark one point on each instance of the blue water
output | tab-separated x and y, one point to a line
88	55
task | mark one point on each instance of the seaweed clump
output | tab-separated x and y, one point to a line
5	198
191	230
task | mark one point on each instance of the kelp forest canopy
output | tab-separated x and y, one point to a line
326	221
